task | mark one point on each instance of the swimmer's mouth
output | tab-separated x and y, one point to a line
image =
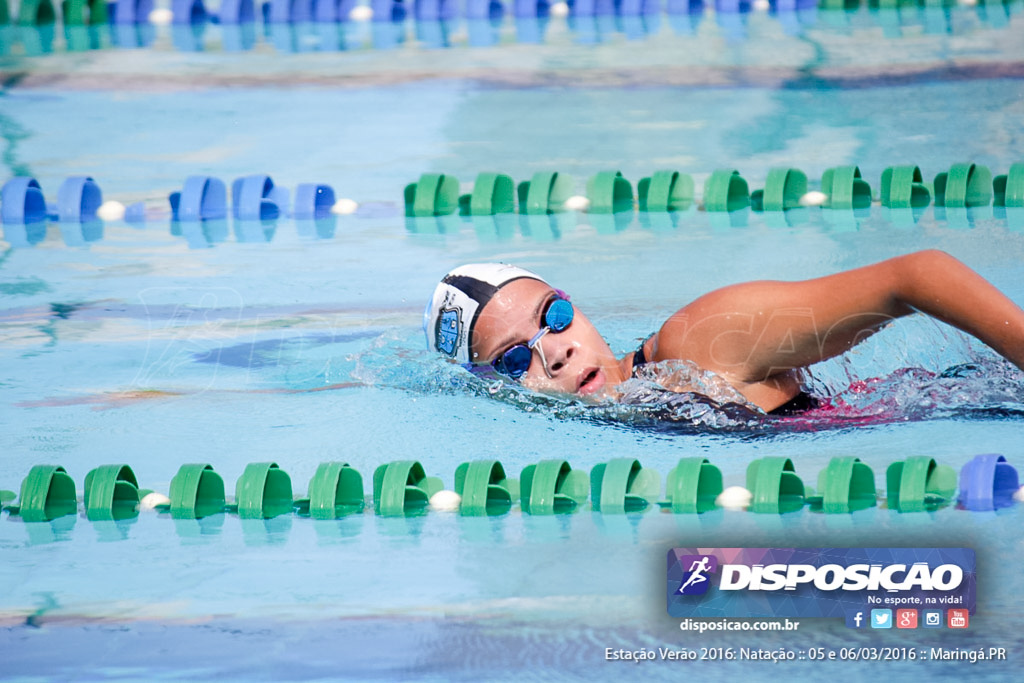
590	382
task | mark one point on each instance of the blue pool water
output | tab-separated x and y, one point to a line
158	344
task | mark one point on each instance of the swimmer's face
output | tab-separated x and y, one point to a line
578	358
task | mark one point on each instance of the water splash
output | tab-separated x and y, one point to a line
680	397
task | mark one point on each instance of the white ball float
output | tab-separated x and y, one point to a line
361	13
813	198
559	9
1019	495
161	16
734	498
110	211
577	203
151	501
447	501
345	207
762	5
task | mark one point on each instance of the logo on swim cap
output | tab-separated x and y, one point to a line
452	311
449	329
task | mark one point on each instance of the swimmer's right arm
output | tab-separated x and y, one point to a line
752	332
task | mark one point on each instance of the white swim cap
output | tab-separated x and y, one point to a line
458	299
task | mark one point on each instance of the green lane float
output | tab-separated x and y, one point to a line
484	488
196	492
902	187
47	493
775	486
264	491
493	193
111	493
845	485
845	188
692	486
1008	189
544	193
782	191
36	13
335	490
609	192
84	12
726	190
665	191
402	487
963	186
623	485
919	484
435	194
552	486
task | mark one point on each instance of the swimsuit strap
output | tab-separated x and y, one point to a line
639	357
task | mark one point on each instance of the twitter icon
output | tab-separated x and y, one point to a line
881	618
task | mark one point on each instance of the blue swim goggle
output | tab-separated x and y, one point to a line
515	361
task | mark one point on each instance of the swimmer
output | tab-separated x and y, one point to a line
756	335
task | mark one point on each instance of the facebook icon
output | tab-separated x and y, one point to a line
855	619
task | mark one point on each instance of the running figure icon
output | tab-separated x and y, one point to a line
697	570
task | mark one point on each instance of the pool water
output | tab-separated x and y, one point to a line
158	344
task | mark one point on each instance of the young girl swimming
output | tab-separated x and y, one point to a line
755	335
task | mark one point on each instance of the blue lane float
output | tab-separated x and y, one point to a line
131	11
332	10
202	198
484	9
435	10
78	199
290	11
236	12
313	201
387	10
988	482
256	197
188	11
23	201
527	9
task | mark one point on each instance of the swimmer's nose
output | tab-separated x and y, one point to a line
557	352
